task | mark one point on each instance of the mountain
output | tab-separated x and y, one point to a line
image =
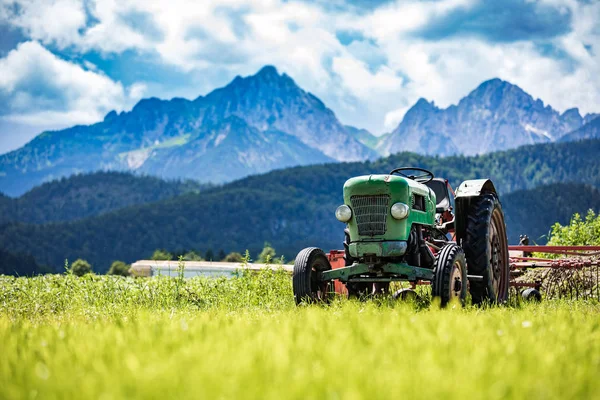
231	149
590	130
265	121
294	208
250	126
497	115
85	195
363	136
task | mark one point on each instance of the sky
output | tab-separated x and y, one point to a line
68	62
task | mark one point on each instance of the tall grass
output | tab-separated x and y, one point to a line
49	295
114	337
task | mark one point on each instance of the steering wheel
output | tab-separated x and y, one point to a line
427	176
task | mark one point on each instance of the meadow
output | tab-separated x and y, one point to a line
109	337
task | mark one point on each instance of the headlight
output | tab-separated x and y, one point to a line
399	211
343	213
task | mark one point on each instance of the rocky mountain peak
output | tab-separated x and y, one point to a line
266	80
497	115
268	71
496	93
254	124
269	100
423	105
571	113
147	104
110	116
420	111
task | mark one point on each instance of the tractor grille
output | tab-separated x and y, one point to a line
371	213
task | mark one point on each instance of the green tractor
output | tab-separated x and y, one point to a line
410	226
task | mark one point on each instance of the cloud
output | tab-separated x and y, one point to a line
48	21
368	60
393	118
361	83
40	89
500	21
447	69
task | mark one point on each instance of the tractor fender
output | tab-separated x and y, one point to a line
466	194
474	188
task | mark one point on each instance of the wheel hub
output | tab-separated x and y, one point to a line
456	283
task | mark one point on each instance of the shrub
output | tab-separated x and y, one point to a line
267	255
234	257
162	255
192	256
119	268
81	267
579	232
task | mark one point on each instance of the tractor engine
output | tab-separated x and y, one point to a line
388	218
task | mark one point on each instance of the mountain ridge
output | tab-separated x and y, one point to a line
266	121
590	130
497	115
270	104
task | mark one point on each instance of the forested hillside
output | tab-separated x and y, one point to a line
293	208
522	168
86	195
533	212
20	265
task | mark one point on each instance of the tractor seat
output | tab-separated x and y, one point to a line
440	188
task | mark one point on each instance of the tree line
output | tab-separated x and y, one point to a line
293	208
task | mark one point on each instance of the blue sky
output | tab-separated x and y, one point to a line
67	62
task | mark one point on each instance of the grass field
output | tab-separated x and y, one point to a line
110	337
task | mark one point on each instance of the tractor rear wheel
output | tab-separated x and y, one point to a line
307	285
450	279
486	249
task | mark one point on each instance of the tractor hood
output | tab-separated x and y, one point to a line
396	186
370	197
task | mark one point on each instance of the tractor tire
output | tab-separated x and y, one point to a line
450	275
348	259
305	280
486	250
532	295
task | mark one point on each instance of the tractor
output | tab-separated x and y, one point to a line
410	226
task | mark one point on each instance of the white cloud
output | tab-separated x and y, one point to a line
43	90
370	83
361	82
393	118
49	21
448	69
403	17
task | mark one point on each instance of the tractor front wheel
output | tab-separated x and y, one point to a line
307	285
450	280
348	259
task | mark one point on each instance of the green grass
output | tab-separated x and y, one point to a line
111	337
